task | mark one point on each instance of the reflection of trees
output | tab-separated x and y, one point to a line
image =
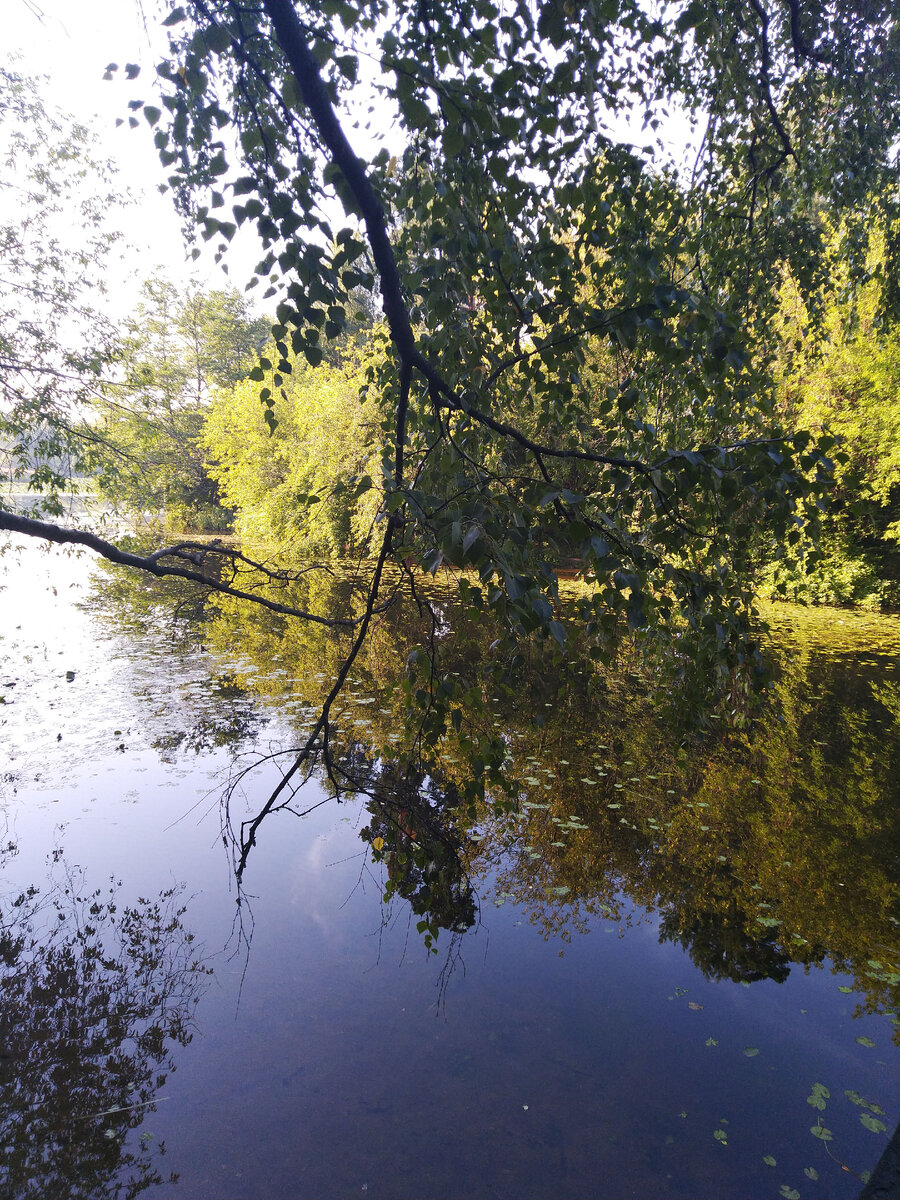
413	827
759	845
722	945
228	718
93	996
167	618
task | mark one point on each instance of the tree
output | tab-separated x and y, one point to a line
55	341
512	241
847	381
177	351
281	482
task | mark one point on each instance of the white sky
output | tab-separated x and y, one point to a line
70	42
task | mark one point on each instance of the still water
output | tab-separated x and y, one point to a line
678	975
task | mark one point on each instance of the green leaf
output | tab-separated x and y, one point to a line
769	1160
872	1123
471	536
820	1132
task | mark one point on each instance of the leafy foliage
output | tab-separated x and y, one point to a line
300	480
55	342
847	381
176	352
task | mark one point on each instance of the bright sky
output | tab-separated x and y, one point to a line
71	42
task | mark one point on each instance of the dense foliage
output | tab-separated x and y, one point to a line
848	380
177	351
286	483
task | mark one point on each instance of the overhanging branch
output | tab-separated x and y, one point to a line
154	564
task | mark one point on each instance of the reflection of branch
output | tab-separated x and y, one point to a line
321	728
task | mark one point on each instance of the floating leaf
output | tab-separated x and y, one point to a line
855	1098
820	1132
789	1193
872	1123
769	1160
711	1041
865	1041
750	1051
721	1136
810	1172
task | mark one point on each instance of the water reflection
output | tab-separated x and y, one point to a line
761	843
95	995
567	1062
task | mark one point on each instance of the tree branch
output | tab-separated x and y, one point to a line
766	77
151	563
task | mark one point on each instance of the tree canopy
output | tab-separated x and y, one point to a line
177	350
55	341
578	335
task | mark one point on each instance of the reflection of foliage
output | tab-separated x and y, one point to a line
413	831
93	996
168	618
759	845
228	718
162	610
724	946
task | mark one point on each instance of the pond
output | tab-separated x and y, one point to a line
672	972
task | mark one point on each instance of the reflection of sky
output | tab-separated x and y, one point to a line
329	1059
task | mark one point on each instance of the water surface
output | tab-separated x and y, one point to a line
680	956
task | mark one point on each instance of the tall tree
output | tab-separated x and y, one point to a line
177	349
56	343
